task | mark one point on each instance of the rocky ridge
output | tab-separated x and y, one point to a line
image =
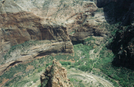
55	76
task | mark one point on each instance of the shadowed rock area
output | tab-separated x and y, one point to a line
122	45
55	76
123	48
117	11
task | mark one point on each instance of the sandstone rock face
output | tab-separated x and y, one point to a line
37	20
45	20
87	24
46	48
55	76
87	30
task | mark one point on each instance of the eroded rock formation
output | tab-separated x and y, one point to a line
49	20
48	47
55	76
37	20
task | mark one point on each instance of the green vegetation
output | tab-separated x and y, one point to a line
104	62
65	63
77	83
84	61
20	46
20	83
38	65
35	80
39	85
121	74
48	64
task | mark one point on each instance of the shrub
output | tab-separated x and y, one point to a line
35	80
65	63
84	68
39	85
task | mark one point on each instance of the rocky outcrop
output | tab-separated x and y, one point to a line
87	24
87	30
55	76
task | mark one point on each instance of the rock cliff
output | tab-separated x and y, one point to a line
46	48
37	20
57	21
55	76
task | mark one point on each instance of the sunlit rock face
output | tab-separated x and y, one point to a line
26	20
51	20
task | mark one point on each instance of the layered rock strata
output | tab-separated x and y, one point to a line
37	20
51	20
22	55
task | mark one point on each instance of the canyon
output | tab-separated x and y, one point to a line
23	21
90	34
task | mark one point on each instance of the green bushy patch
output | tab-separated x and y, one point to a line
76	82
65	63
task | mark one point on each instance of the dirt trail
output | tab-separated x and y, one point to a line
89	78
